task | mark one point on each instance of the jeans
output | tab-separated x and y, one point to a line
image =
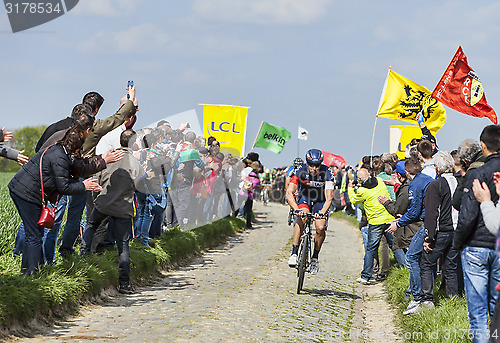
364	235
72	229
144	218
481	274
32	251
120	229
440	251
248	212
375	233
413	262
49	239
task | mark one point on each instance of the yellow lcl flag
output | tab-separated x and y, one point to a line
403	99
227	124
401	136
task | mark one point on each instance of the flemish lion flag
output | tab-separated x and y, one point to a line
227	124
272	137
403	99
461	89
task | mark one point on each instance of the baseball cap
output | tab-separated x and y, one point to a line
400	167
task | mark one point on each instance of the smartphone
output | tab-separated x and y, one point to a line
130	84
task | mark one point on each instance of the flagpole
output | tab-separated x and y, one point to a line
373	139
298	143
260	128
379	105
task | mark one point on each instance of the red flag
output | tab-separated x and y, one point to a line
330	159
461	89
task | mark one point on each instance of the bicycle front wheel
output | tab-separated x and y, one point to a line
302	265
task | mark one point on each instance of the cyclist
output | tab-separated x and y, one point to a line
266	179
314	182
297	163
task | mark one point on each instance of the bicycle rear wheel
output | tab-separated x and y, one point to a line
302	265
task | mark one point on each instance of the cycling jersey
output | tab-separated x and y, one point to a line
290	171
313	187
266	179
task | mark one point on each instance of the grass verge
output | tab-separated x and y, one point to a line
447	322
62	286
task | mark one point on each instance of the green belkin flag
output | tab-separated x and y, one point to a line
271	137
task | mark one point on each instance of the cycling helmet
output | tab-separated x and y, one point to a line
314	156
267	171
298	162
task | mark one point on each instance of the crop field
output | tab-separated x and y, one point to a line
9	218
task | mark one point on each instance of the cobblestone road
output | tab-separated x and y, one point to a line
242	291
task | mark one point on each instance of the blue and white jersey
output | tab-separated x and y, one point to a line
313	187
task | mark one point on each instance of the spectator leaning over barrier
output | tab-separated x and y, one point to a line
471	156
82	167
370	188
8	152
116	200
182	180
480	263
440	222
416	212
26	193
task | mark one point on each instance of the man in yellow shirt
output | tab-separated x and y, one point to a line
378	218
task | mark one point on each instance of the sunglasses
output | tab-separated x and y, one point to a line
314	165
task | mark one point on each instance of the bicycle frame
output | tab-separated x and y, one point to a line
306	249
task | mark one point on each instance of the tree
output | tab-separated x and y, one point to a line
24	139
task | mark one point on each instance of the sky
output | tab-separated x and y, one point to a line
320	63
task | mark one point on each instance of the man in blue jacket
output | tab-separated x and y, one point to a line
415	212
480	263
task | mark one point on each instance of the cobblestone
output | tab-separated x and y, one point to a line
243	291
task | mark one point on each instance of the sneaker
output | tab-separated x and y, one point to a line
314	266
380	277
413	307
292	261
125	289
428	304
363	281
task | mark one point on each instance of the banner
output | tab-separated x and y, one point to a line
400	137
330	159
185	117
227	124
403	99
461	89
303	133
271	137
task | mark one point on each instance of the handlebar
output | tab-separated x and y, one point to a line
312	215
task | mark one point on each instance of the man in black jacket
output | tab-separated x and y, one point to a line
440	221
480	263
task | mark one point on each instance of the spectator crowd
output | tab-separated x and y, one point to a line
437	211
117	184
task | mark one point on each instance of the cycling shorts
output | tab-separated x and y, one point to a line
313	207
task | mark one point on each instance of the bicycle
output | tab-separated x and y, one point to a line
265	196
306	249
291	216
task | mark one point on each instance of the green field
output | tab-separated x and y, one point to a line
9	218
